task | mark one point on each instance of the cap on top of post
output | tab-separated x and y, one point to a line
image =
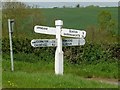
58	22
12	20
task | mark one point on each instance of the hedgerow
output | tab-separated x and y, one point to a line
89	53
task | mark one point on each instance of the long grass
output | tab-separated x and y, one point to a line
32	63
19	79
41	75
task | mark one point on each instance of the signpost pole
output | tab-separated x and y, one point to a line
10	27
59	52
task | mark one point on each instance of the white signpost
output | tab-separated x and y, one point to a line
63	32
73	33
53	42
73	42
78	39
43	42
45	30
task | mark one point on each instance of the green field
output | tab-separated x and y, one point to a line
75	18
78	18
34	67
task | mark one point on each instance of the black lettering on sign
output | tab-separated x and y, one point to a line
44	28
67	40
73	31
76	35
67	44
40	45
33	42
40	41
53	44
82	34
45	41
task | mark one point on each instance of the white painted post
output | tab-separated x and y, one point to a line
59	52
10	37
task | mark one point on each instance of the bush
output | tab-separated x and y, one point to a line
89	53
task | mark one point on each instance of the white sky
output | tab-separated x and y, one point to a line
69	3
64	0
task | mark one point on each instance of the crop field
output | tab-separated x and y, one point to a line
78	18
75	18
94	65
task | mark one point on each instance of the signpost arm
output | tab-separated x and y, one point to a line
11	49
59	52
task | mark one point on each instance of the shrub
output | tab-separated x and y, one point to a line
89	53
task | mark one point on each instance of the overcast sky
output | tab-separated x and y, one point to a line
71	4
67	0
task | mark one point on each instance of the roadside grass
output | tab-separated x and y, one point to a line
41	75
102	70
19	79
32	63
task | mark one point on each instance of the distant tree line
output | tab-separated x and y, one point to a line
78	6
12	5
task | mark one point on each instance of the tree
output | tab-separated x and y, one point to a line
106	23
104	19
92	6
64	6
77	6
13	10
112	26
25	17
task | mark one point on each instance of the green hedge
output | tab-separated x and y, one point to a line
88	53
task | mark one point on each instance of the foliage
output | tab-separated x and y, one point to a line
88	53
11	5
92	6
91	53
77	6
24	18
106	22
104	19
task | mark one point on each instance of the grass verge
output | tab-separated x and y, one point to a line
41	75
